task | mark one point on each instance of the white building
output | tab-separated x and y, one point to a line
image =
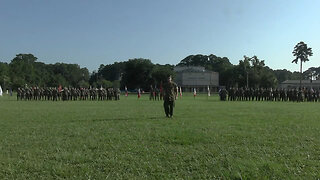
189	77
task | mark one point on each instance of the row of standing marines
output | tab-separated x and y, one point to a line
55	94
232	94
65	94
269	94
155	93
168	94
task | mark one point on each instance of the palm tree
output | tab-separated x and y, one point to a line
302	52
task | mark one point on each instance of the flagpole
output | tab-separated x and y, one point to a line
209	93
0	91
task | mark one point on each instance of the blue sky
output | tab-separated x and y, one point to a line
97	32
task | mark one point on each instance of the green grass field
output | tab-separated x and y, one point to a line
132	139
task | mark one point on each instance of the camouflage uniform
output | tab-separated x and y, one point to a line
65	94
151	93
19	94
223	94
157	92
170	92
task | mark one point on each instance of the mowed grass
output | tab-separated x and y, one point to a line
132	139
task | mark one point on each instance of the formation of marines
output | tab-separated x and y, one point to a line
68	94
269	94
155	93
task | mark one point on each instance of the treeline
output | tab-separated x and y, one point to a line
24	70
134	73
251	70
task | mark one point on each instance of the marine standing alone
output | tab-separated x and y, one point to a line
169	95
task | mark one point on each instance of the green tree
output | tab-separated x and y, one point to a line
22	70
4	75
257	69
302	53
104	83
243	70
160	73
116	84
268	79
252	72
94	77
313	73
69	75
112	72
283	75
137	74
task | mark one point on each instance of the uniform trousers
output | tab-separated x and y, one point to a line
168	107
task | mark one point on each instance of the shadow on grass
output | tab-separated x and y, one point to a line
127	119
